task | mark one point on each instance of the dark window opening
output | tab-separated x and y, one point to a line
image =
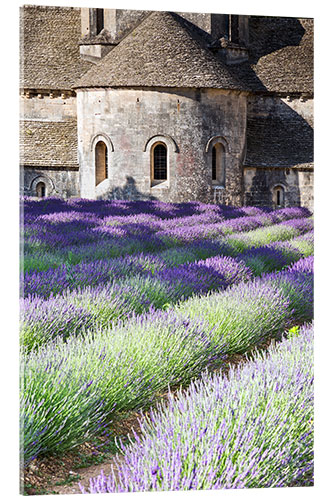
99	20
278	197
214	164
218	165
41	190
101	162
160	163
234	29
225	25
96	21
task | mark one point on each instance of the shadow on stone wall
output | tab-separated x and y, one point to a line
269	34
278	136
261	192
127	192
278	139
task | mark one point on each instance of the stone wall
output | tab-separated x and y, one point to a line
63	183
52	106
48	143
259	184
130	121
279	150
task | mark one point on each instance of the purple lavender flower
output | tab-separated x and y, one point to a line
253	428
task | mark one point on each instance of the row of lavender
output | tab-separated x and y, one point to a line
98	271
86	231
95	294
71	390
252	429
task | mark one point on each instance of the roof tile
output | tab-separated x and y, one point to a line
49	43
165	50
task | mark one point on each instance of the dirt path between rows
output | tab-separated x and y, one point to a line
62	475
85	476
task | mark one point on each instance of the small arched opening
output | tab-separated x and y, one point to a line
101	162
41	190
159	163
218	165
279	196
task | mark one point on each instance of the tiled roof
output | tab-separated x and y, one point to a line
51	144
280	55
277	141
165	50
50	55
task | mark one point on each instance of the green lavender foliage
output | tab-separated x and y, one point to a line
69	389
250	429
244	315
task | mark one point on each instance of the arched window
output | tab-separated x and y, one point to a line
41	190
278	196
101	162
159	162
214	163
218	165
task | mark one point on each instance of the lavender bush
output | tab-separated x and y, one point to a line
90	307
247	313
130	362
124	228
250	429
204	275
244	315
262	236
72	275
68	389
296	283
93	341
44	320
304	243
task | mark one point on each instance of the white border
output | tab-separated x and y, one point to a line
323	231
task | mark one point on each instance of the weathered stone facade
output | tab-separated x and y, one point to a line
48	143
261	184
279	150
228	98
64	183
131	121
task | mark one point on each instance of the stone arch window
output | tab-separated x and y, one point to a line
218	165
279	196
101	162
42	186
41	190
217	149
159	161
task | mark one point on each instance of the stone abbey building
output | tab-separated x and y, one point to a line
161	105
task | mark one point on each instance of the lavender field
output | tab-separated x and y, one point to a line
121	301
